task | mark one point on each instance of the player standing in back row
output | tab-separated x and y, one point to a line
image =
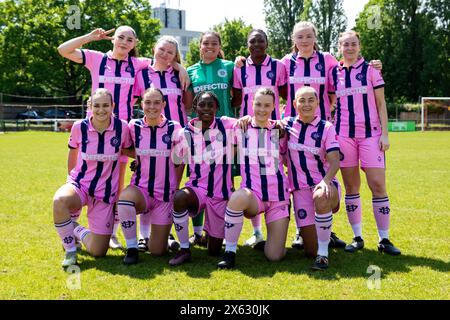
361	126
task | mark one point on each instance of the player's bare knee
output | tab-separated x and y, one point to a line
321	202
60	203
128	194
239	200
378	188
275	256
180	200
158	252
98	252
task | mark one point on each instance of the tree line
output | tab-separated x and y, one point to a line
410	37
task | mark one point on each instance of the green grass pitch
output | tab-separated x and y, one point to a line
33	166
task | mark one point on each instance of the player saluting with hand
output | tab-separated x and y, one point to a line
114	70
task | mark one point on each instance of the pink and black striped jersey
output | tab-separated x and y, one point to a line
209	154
155	170
169	83
313	72
97	167
118	76
270	74
308	145
260	155
356	111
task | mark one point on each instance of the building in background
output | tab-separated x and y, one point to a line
174	24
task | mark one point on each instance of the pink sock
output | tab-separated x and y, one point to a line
354	213
234	220
181	222
127	216
381	211
324	223
65	232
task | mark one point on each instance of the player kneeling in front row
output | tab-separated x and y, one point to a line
207	148
312	161
263	186
155	178
95	146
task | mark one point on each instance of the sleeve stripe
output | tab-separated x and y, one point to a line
84	57
378	87
70	147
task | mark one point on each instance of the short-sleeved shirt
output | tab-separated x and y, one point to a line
169	83
260	155
155	170
356	110
313	72
216	77
209	154
308	145
270	74
118	76
97	167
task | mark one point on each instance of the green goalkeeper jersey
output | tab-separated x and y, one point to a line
216	77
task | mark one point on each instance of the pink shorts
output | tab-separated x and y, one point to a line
304	210
366	150
160	212
100	214
273	210
214	212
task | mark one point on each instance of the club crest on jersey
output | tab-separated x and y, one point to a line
219	137
128	69
301	214
174	79
360	77
166	138
115	142
270	75
315	136
319	67
222	73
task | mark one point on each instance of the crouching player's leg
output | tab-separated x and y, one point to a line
326	201
277	219
101	220
130	202
243	201
65	201
187	202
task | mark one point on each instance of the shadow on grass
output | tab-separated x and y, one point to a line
254	264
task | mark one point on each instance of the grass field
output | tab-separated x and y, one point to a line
33	166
